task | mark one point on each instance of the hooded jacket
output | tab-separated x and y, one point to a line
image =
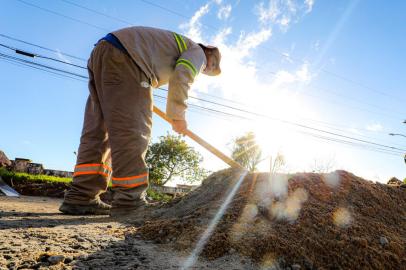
166	58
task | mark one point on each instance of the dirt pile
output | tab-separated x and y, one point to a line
300	221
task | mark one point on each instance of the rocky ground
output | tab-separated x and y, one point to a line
301	221
33	235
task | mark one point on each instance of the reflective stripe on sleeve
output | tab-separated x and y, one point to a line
181	42
131	181
187	64
92	168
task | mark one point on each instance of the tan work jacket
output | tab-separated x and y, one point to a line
165	57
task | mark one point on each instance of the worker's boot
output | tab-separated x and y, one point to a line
123	211
128	202
95	208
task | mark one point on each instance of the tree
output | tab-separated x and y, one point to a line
246	151
171	157
277	164
323	165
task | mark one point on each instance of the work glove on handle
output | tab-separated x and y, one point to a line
180	126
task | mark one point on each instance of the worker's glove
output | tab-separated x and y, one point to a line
180	126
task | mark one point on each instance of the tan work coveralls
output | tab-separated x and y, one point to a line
118	112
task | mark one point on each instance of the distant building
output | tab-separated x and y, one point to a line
174	191
21	165
58	173
26	166
4	161
35	168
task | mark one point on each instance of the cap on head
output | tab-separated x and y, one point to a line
215	52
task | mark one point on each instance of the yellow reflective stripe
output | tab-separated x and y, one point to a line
181	42
178	42
188	64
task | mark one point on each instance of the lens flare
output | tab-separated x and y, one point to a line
278	186
190	261
289	209
342	217
332	179
269	262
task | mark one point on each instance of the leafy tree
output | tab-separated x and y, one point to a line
246	151
404	181
172	157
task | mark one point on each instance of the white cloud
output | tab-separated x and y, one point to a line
309	4
224	12
62	57
244	79
282	12
374	127
240	79
193	27
269	13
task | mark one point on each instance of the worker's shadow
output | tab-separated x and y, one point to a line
22	220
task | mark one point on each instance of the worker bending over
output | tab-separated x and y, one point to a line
123	68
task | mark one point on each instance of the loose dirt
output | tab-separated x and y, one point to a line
300	221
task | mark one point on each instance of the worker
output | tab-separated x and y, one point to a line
123	68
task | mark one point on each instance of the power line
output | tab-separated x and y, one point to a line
282	54
336	93
42	47
227	106
64	62
42	66
325	138
99	13
377	146
33	55
62	15
308	94
18	63
212	102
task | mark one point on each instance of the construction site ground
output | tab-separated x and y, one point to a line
300	221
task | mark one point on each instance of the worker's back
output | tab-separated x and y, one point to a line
156	51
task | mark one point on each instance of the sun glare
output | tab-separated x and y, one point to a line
275	136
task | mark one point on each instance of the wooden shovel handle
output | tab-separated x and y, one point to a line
202	142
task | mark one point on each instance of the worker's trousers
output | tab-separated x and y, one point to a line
118	117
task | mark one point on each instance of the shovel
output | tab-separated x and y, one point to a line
202	142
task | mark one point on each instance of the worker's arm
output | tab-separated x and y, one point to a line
187	67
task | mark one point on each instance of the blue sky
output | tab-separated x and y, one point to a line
334	66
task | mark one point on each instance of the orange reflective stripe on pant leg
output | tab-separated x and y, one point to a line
130	181
93	165
92	168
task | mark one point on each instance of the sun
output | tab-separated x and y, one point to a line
279	135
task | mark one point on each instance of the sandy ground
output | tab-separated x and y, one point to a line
32	231
291	222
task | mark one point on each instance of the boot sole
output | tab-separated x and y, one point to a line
78	210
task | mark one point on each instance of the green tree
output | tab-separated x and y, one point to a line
246	151
171	157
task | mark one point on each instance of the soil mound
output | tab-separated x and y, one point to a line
300	221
